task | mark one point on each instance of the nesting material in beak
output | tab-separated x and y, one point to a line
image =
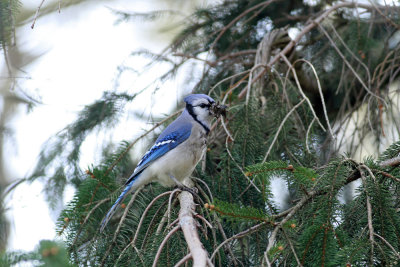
219	110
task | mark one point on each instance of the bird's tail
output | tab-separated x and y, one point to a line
114	207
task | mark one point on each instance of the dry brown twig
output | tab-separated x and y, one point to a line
37	14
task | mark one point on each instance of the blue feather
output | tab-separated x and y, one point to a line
114	207
163	144
168	140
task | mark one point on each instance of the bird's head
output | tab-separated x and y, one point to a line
204	108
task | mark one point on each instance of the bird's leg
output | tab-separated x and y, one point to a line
183	187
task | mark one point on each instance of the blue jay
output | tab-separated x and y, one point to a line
177	150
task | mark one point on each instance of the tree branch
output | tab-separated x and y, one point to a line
189	229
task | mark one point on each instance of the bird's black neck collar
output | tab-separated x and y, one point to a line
194	116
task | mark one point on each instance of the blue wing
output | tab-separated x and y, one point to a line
171	137
166	142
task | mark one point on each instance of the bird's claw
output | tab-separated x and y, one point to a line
193	191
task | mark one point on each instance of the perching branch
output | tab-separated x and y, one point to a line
189	229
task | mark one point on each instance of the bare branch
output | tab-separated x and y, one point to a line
301	90
350	66
239	235
390	162
189	229
320	93
36	15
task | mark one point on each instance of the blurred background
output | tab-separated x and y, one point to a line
63	57
78	77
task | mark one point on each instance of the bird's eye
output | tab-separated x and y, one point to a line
203	105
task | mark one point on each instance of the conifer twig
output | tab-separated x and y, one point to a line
224	80
162	222
240	168
308	133
211	199
292	248
257	226
216	220
170	204
369	216
388	175
150	225
280	128
227	247
132	243
239	235
144	215
168	236
293	210
87	217
249	83
204	220
123	252
389	245
114	240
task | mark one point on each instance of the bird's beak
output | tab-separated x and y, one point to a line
219	110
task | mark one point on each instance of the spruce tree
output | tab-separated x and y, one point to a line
311	88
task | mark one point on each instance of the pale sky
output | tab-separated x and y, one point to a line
79	62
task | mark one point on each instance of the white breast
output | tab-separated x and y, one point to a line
182	160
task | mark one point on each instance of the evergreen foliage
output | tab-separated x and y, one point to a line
295	107
8	10
47	254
